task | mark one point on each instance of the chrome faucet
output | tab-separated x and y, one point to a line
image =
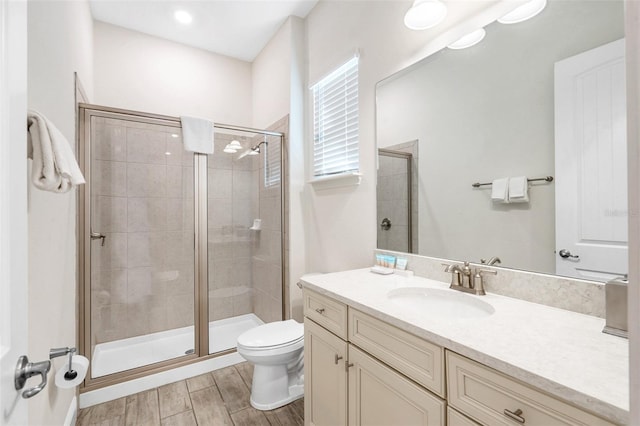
468	279
456	273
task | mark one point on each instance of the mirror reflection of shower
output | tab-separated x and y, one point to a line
397	198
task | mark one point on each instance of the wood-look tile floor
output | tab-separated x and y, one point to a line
219	398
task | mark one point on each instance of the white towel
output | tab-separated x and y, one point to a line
54	165
197	134
518	189
500	190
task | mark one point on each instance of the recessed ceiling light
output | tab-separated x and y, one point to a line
468	40
524	12
183	16
174	135
425	14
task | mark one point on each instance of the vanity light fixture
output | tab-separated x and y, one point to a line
468	40
183	17
524	12
425	14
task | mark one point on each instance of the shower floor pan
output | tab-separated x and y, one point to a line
126	354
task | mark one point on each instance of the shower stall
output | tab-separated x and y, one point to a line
179	252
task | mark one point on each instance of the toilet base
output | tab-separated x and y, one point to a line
276	385
295	392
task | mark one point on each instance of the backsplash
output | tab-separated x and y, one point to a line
585	297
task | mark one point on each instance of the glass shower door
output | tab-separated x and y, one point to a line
244	235
142	252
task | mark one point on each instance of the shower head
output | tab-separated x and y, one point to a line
256	149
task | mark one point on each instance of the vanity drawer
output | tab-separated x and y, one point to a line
485	395
327	312
409	354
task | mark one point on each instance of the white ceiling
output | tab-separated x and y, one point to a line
236	28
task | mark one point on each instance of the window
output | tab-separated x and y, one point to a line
335	121
271	163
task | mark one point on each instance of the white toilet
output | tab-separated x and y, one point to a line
276	351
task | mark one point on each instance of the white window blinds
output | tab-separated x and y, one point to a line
272	163
335	121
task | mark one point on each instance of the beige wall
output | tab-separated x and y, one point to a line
145	73
341	222
279	90
59	43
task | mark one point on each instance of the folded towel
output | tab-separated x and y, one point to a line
519	190
54	165
500	190
197	134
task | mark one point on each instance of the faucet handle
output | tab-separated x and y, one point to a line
478	281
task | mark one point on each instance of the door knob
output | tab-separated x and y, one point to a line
386	224
566	254
26	369
98	236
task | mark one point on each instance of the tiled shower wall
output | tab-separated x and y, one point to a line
232	206
142	200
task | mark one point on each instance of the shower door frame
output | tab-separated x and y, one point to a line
201	267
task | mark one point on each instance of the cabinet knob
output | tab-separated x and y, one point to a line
347	365
517	415
320	310
338	358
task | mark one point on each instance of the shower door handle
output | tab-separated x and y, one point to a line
98	236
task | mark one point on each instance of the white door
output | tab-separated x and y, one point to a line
591	164
13	206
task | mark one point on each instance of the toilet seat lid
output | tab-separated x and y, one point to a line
272	334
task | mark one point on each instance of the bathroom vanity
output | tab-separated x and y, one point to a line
377	350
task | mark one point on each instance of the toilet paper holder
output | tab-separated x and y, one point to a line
56	352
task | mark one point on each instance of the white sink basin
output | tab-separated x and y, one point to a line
440	303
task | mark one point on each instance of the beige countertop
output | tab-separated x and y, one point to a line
560	352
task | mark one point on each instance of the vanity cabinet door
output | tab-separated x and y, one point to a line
325	377
379	395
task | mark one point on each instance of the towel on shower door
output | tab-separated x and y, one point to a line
197	134
54	166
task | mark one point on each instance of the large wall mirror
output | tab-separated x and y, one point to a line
545	97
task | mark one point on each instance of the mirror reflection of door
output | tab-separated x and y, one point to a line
396	204
591	164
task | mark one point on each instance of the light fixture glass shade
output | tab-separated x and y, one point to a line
468	40
229	150
524	12
425	14
253	152
235	145
183	16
